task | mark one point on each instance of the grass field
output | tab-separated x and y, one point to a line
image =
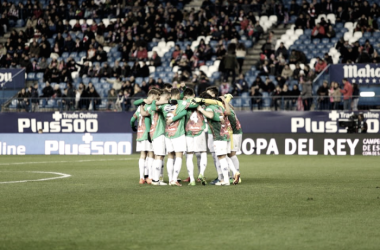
284	202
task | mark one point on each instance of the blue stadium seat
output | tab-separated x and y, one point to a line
31	76
246	101
73	54
82	54
325	40
307	32
65	55
306	42
62	85
316	41
40	76
86	80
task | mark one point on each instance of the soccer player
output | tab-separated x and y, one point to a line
221	137
157	132
237	139
195	137
143	145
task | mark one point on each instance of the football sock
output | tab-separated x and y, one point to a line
141	168
203	163
190	166
157	169
231	165
198	155
150	167
146	170
169	168
177	168
224	169
162	169
217	166
236	162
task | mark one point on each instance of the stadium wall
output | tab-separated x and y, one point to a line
289	133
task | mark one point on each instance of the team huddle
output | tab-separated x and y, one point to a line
171	122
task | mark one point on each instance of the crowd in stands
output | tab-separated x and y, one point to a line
56	43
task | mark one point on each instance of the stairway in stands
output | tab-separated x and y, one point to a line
253	54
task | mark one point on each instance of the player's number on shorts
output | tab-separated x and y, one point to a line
194	117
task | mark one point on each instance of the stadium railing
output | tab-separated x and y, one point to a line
255	103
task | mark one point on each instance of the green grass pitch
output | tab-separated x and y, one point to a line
284	202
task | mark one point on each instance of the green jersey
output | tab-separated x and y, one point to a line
218	124
176	128
195	123
235	124
158	122
142	131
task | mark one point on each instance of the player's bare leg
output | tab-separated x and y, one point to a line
235	161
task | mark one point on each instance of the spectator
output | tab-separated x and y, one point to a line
69	100
116	83
119	101
256	97
142	53
143	70
224	88
318	31
126	100
23	100
277	97
306	93
355	97
282	50
287	72
239	86
95	99
330	32
111	99
47	91
295	93
268	86
138	92
105	71
335	94
155	60
323	93
240	55
320	66
34	99
347	94
101	55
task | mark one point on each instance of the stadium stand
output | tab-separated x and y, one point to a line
149	43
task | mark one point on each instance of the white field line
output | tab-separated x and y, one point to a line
46	162
61	175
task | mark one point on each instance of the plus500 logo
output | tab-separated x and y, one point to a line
64	125
91	148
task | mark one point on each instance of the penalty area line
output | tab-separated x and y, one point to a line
61	175
47	162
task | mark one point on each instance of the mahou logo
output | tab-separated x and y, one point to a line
352	71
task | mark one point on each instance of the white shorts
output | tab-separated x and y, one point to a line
176	145
159	145
196	143
222	147
144	146
210	143
237	142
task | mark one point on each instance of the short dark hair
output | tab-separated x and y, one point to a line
168	86
174	92
154	92
205	95
214	90
188	92
165	92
